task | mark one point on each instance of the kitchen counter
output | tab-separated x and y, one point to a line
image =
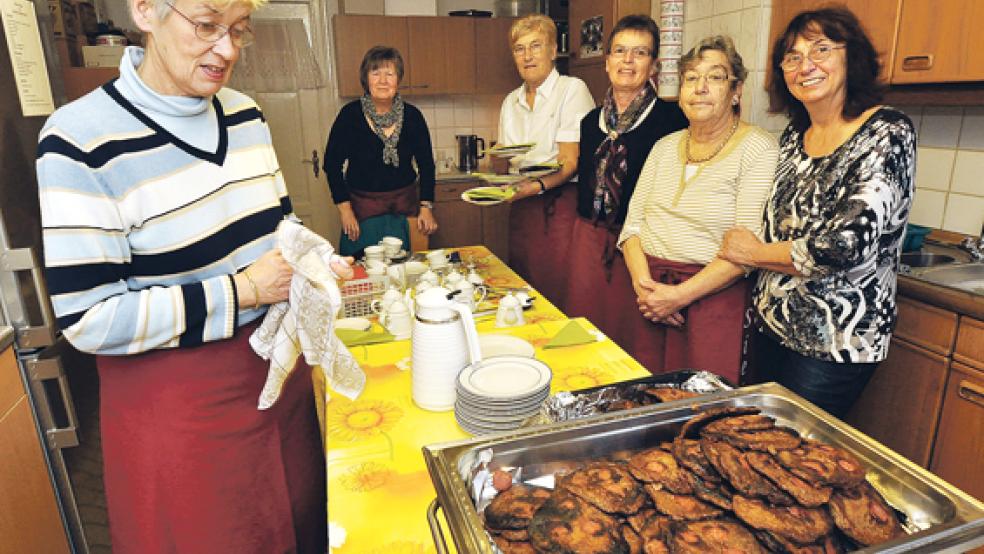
454	176
960	301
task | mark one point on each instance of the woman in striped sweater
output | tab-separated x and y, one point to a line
160	194
696	184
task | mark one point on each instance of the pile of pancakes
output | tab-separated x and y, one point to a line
731	481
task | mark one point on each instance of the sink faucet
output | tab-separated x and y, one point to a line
975	247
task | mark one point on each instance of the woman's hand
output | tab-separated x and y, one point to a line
342	267
350	225
426	222
739	246
661	303
271	275
524	189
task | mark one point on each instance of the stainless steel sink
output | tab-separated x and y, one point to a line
926	259
969	277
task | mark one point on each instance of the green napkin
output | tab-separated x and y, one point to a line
354	337
571	335
489	193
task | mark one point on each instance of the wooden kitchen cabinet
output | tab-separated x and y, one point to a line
355	35
879	18
922	324
464	224
588	38
970	343
30	520
498	73
441	55
900	407
959	446
939	42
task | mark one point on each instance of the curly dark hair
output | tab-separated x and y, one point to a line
840	25
635	22
376	57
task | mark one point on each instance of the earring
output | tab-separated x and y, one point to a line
735	100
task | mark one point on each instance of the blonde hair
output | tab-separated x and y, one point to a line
535	23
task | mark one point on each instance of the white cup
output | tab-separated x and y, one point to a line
414	270
391	246
375	252
382	305
437	258
376	270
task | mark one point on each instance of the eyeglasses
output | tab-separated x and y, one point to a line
240	35
818	53
714	78
637	52
535	49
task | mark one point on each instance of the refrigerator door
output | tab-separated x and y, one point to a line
25	305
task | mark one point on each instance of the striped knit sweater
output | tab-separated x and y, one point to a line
143	232
683	219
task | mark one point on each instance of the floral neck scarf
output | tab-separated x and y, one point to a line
611	163
386	120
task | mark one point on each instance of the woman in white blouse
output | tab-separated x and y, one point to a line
696	184
545	110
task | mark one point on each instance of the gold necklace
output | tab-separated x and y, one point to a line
716	150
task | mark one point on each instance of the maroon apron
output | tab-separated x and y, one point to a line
191	465
402	201
540	240
713	337
602	294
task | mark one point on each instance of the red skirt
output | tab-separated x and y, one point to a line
540	240
192	466
603	295
713	338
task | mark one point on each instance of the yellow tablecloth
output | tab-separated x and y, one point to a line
378	486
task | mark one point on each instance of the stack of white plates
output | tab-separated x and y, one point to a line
498	394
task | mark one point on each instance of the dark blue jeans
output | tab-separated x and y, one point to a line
833	386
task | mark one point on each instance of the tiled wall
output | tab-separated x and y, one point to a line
747	23
448	116
950	156
949	168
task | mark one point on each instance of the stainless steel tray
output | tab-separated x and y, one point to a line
945	519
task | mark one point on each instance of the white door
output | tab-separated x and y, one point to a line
289	74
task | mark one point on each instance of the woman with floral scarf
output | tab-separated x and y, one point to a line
379	136
615	140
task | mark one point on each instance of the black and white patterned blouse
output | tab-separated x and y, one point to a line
845	214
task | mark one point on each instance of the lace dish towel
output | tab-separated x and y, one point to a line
306	322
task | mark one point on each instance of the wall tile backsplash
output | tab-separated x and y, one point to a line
949	168
448	116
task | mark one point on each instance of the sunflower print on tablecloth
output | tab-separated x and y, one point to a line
361	419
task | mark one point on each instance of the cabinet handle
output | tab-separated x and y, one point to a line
413	86
921	62
971	392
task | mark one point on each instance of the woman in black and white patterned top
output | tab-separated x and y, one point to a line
836	219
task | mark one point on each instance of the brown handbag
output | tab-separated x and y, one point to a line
402	201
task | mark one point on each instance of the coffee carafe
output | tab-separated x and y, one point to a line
471	148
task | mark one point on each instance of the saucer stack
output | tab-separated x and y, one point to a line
498	394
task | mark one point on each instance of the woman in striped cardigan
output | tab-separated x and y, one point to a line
160	194
696	184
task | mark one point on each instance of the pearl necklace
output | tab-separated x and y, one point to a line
716	150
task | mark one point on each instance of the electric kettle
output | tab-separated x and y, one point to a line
471	148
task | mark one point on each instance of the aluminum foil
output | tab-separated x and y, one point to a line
565	406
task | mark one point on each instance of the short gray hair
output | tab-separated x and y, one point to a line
719	43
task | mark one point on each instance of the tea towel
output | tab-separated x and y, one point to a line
305	323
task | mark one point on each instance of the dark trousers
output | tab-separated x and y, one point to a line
833	386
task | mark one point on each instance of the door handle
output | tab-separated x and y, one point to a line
971	392
46	366
314	161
